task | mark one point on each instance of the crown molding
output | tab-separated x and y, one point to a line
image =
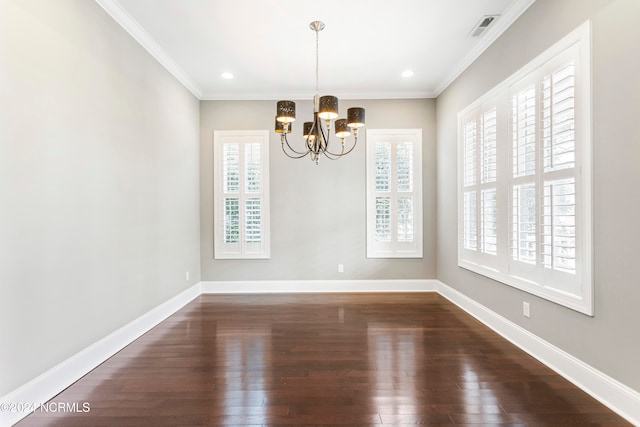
126	21
501	24
249	96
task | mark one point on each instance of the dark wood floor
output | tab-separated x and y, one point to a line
341	359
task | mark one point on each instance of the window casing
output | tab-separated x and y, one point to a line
241	194
524	173
394	193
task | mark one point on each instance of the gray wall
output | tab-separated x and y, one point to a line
99	197
609	340
317	212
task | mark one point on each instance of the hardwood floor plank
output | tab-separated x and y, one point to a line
324	359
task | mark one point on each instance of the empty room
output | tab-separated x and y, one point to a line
349	212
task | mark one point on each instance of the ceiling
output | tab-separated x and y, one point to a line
269	48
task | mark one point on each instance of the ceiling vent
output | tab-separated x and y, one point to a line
482	26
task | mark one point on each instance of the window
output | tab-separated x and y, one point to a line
524	167
479	216
241	194
394	193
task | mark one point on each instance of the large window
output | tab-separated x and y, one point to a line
525	178
394	193
241	194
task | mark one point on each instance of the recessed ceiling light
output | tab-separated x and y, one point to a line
407	73
226	75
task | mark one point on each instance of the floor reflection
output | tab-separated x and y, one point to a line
393	352
243	377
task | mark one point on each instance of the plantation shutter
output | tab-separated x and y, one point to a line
559	174
524	177
241	197
394	207
479	176
470	200
524	196
543	181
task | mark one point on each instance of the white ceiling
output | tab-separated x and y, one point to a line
269	48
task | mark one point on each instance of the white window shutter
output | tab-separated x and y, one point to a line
394	193
241	195
524	169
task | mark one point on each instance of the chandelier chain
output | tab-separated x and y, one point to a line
317	66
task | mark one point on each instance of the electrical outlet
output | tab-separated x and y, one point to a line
187	276
526	309
340	268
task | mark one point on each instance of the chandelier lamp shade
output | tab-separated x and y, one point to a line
317	132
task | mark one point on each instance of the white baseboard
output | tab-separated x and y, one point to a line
46	386
618	397
310	286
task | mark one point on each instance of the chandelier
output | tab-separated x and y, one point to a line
317	132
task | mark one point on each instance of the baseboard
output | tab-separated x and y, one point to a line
618	397
55	380
310	286
46	386
615	395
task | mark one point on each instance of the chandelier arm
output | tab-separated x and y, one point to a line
344	153
298	156
336	154
294	157
316	123
329	157
292	150
325	137
319	145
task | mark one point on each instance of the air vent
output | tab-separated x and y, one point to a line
484	23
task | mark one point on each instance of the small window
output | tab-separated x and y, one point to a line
394	193
241	194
